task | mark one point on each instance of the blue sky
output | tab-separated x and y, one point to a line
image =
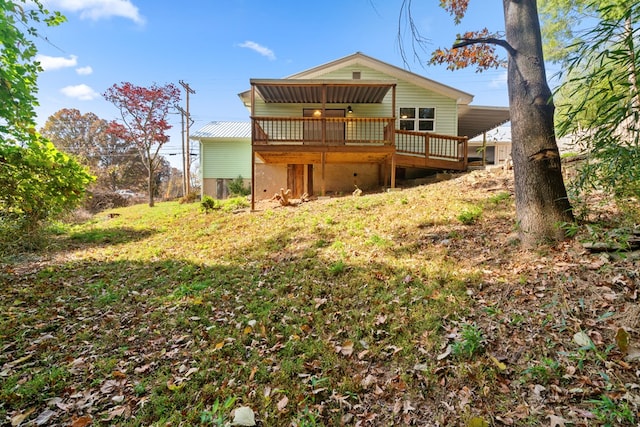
217	46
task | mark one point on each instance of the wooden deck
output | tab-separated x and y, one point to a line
430	150
307	140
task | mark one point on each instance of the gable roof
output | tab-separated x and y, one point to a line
359	58
307	87
386	68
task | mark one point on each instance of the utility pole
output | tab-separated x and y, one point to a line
187	171
185	186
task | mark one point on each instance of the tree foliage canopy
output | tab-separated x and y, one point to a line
566	23
599	101
18	68
113	160
144	122
38	182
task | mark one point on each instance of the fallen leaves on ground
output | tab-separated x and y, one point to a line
349	311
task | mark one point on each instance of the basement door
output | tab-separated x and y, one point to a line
295	180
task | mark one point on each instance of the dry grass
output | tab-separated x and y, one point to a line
384	309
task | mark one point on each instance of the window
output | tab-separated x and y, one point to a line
421	119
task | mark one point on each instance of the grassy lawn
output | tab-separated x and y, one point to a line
406	308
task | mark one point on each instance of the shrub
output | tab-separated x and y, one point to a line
209	204
237	188
190	197
97	201
235	203
39	184
470	215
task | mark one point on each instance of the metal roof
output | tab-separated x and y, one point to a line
475	120
305	91
220	129
358	58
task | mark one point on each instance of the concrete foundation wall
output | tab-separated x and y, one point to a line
270	179
339	179
342	178
218	188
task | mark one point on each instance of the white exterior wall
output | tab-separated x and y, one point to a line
501	151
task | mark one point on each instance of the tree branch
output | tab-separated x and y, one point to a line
485	40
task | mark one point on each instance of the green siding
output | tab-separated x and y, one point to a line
446	121
407	95
222	158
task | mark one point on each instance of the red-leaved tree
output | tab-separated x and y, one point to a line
144	113
541	198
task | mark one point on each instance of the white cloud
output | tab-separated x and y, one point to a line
98	9
81	92
84	71
56	62
262	50
500	81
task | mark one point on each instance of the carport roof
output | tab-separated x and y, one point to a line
474	120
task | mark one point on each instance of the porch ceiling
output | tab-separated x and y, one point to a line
475	120
311	91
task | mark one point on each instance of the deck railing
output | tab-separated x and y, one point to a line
324	131
436	149
431	145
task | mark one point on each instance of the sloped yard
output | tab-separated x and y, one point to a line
408	308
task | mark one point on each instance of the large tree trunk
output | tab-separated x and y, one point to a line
541	197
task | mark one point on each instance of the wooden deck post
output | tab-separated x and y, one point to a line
393	171
324	161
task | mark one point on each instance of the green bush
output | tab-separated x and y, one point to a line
237	188
209	204
470	215
235	203
39	184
